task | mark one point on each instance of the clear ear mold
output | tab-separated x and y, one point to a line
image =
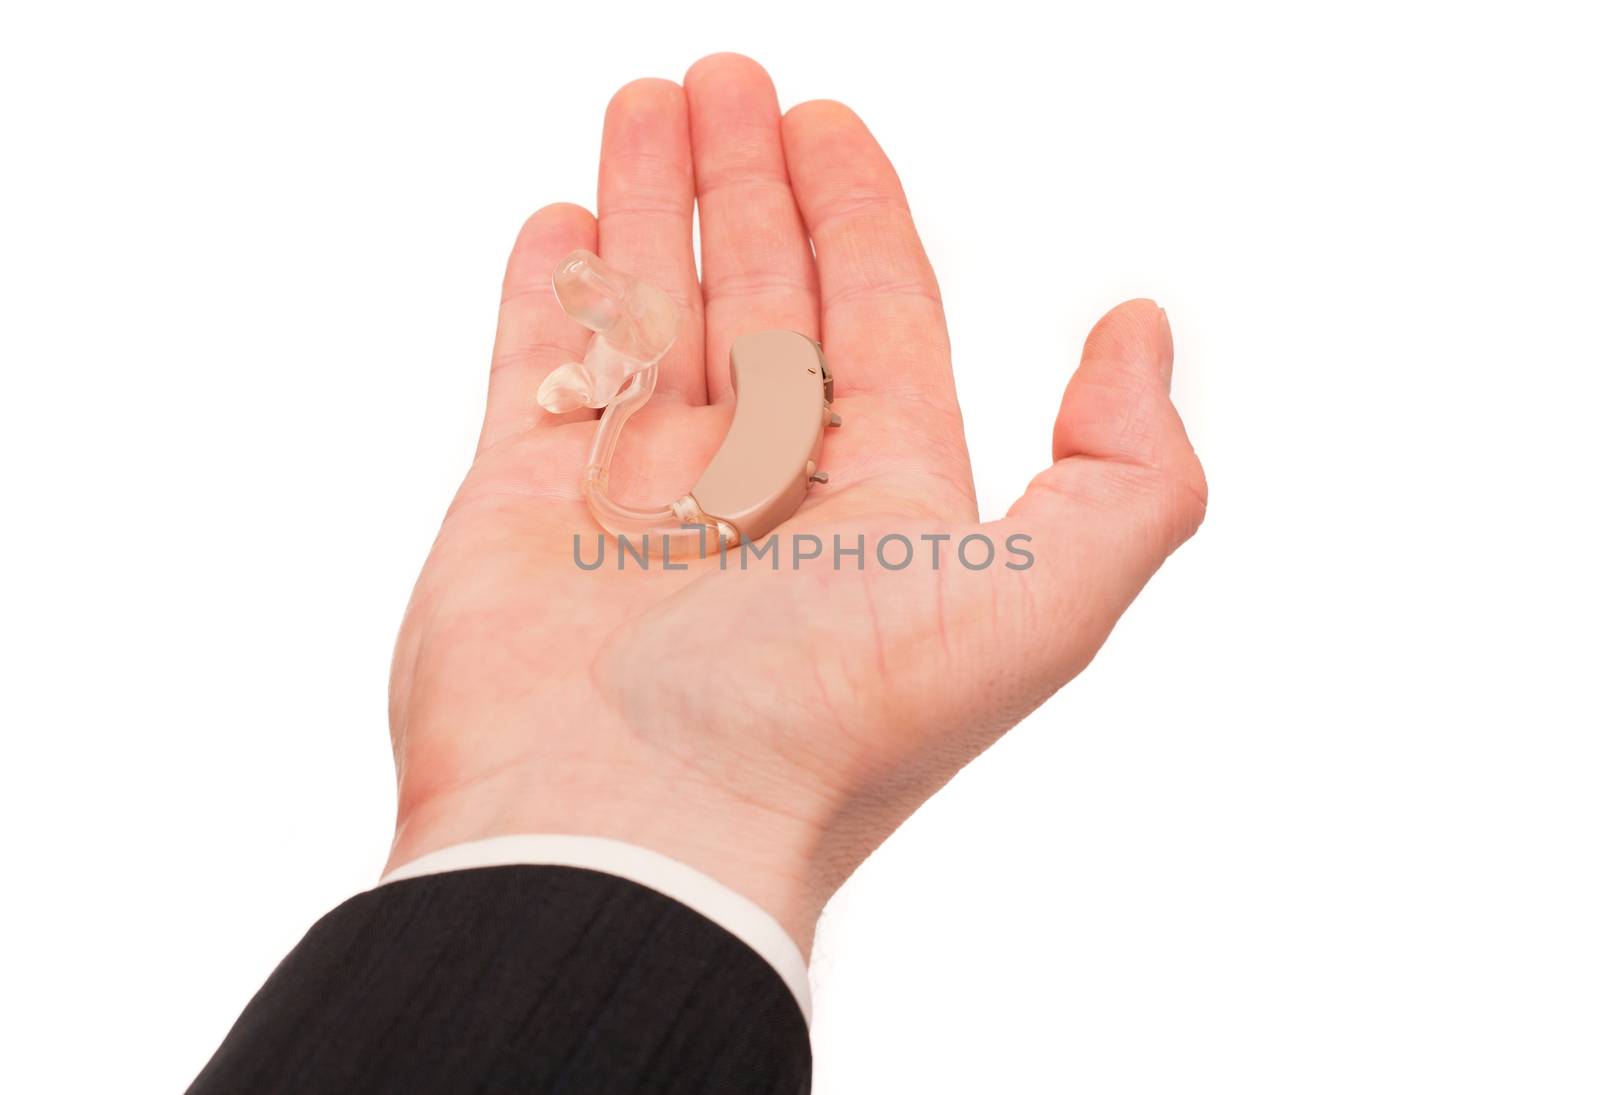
634	324
768	460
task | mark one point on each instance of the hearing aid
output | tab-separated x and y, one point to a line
767	460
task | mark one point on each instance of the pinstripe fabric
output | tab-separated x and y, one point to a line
516	979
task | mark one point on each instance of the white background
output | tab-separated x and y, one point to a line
1321	818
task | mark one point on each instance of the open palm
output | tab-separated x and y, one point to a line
769	726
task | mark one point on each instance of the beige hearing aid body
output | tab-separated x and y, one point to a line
768	460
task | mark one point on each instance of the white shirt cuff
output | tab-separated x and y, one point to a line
705	895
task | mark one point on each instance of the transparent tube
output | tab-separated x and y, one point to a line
634	325
616	518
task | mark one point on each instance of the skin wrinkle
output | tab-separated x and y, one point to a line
877	628
866	269
935	459
491	499
941	622
602	682
938	406
531	433
916	426
822	689
545	288
838	213
936	396
531	355
1135	481
879	290
636	168
618	211
664	186
762	804
819	685
917	507
735	286
773	182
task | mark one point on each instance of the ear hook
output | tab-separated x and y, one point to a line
759	476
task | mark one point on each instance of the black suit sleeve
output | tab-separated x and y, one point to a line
516	979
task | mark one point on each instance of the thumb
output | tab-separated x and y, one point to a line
1124	491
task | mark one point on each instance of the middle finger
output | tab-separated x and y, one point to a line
646	207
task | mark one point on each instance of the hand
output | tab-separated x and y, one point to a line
767	727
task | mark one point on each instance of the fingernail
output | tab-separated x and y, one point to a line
1166	360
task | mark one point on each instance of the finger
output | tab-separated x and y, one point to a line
1125	490
882	319
534	335
647	215
758	272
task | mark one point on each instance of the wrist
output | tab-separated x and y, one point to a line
759	852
